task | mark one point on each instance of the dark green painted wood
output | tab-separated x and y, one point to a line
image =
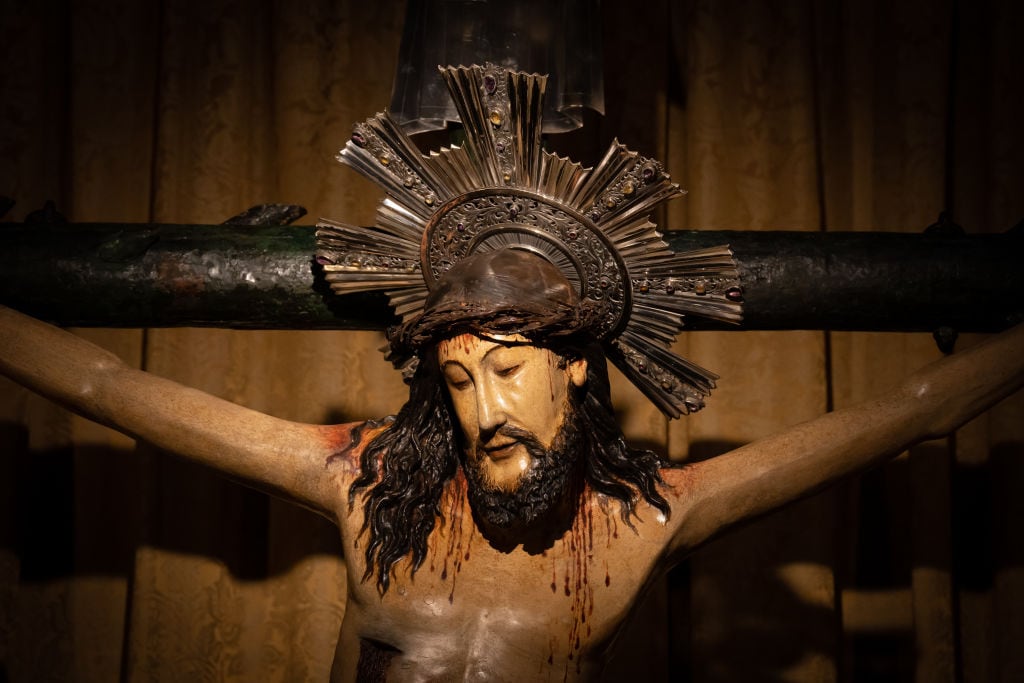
122	275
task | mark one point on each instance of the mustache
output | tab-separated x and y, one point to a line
523	436
549	479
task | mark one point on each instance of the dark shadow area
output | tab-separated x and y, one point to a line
883	549
882	559
700	451
766	638
338	416
44	530
758	614
197	511
361	310
753	625
1007	515
976	523
883	657
759	627
86	511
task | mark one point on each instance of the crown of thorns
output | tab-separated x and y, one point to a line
502	190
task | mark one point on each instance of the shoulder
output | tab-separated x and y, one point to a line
341	448
343	445
678	480
675	483
679	484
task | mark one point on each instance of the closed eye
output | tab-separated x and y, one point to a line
456	376
508	371
457	384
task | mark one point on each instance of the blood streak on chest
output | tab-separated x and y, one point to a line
459	542
579	543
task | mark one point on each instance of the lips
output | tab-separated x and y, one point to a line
501	451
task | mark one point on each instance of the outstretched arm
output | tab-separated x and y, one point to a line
766	474
281	457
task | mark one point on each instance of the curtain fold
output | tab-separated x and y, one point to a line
119	562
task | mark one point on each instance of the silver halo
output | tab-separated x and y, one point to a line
502	189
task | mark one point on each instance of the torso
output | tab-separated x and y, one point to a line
474	612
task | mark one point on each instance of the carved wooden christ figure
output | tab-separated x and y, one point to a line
499	526
492	503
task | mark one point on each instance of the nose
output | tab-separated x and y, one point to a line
490	411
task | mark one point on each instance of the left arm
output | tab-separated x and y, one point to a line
285	458
750	481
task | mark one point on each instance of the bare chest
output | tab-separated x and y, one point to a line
472	611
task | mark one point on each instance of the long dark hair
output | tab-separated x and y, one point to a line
406	467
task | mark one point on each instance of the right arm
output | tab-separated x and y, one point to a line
285	458
716	494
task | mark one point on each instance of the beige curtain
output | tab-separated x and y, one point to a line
119	562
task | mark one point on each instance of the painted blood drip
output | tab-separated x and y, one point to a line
579	544
552	645
458	547
455	528
611	525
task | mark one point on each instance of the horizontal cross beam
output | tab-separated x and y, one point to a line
138	275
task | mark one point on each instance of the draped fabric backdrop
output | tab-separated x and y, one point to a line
119	562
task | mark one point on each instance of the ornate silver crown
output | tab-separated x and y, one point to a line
502	190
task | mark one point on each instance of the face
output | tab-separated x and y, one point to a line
504	394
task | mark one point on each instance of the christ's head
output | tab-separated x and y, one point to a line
507	395
515	405
510	389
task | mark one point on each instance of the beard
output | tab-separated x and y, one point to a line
553	476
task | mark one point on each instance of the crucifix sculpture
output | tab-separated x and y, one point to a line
499	526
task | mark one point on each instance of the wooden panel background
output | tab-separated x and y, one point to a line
117	562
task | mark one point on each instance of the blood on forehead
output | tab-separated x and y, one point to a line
470	343
464	343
